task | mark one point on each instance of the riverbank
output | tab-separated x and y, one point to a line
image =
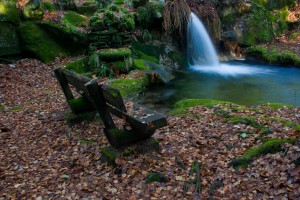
41	157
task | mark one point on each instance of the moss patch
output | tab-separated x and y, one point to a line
80	105
272	145
247	120
9	11
74	19
182	106
38	43
2	107
79	66
273	56
114	54
130	86
108	155
263	25
156	177
140	64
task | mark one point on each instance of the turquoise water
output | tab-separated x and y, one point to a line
237	82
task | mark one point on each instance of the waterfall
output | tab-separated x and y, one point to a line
200	49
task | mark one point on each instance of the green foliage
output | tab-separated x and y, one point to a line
272	145
295	35
276	4
182	106
80	66
263	25
127	153
74	19
130	86
9	11
265	131
94	62
156	177
138	3
273	56
33	10
36	42
146	16
114	54
119	2
113	17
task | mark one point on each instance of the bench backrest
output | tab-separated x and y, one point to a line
110	95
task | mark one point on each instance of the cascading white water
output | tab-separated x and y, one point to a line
200	48
202	55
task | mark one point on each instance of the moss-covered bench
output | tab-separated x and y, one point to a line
106	101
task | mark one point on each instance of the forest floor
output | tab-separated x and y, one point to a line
42	158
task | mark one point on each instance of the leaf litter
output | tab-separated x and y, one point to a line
41	157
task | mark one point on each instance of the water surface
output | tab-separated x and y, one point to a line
237	82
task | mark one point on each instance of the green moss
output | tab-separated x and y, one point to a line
150	14
9	42
279	4
297	127
88	142
130	86
74	19
278	105
265	131
156	177
272	145
119	2
80	66
86	10
2	107
127	153
139	64
181	106
247	120
177	57
146	57
9	11
295	36
114	54
80	105
273	56
47	5
108	155
263	25
33	10
37	42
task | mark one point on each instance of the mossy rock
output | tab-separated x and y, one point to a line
74	19
114	54
150	16
156	177
272	145
177	57
130	86
273	56
182	106
146	57
9	41
9	11
140	64
262	25
68	36
79	66
66	4
38	43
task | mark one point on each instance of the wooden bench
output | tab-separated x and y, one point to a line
106	101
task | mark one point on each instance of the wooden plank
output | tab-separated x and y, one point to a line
99	103
145	122
78	81
113	97
63	83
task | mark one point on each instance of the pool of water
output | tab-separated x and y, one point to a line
238	82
